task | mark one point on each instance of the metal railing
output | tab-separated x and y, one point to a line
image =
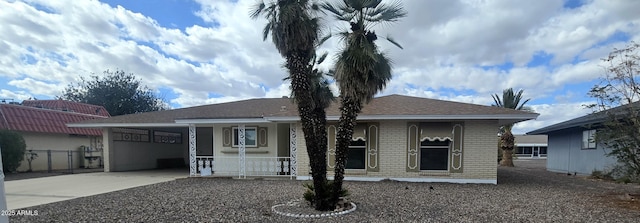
254	166
54	160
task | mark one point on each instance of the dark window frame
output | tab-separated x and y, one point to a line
234	137
435	146
360	145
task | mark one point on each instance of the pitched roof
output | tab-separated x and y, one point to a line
31	119
584	121
283	109
63	105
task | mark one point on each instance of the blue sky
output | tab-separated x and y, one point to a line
201	52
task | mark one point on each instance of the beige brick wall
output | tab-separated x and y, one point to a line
479	154
303	157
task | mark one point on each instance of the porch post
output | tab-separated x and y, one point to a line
293	164
213	147
241	150
192	150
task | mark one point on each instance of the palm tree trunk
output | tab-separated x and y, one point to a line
507	143
348	114
507	158
312	122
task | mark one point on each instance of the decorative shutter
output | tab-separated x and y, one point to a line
227	136
457	147
331	151
263	136
373	147
413	146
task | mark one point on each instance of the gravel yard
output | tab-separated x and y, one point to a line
524	194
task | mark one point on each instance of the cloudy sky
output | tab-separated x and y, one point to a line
196	52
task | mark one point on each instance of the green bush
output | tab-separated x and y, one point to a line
13	149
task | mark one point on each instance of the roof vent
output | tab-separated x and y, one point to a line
283	108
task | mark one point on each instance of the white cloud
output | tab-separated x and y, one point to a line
36	87
551	114
446	43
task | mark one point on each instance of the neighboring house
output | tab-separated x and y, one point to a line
42	124
397	137
531	146
572	148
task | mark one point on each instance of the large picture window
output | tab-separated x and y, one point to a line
434	155
588	139
356	155
250	137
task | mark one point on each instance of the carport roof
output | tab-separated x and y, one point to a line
283	109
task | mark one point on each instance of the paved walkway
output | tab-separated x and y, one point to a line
31	192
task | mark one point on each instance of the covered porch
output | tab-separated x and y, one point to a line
241	148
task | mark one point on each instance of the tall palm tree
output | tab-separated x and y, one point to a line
294	30
507	140
361	70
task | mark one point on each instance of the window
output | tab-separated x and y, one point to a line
167	137
588	139
133	135
434	155
250	137
543	150
356	155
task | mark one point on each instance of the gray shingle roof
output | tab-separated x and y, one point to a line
398	105
584	121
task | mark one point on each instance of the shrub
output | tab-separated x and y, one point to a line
13	149
624	174
596	174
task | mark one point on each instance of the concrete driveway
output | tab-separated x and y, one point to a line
31	192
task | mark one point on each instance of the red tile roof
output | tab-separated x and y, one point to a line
62	105
31	119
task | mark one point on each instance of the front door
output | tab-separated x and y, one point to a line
536	152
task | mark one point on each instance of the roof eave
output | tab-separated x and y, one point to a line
506	118
221	121
107	125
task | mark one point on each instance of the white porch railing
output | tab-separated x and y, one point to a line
254	166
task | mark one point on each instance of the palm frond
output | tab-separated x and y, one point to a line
510	99
393	41
256	10
386	13
266	31
322	58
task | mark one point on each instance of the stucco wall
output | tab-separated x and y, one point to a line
479	155
565	154
227	151
59	144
